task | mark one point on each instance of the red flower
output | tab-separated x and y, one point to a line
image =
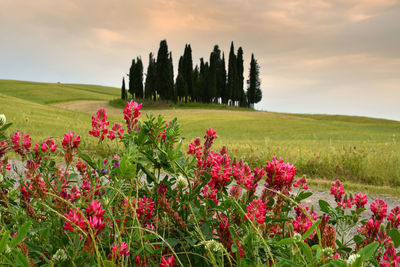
337	190
145	208
167	262
256	210
131	112
394	217
360	200
121	251
379	208
95	209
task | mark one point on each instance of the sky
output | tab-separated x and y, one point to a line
315	56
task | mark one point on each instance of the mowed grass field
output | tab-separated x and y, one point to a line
364	152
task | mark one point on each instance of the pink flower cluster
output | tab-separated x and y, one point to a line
99	124
302	182
46	146
280	176
131	112
256	211
145	209
167	262
301	222
99	127
21	146
394	217
94	215
118	251
70	145
390	259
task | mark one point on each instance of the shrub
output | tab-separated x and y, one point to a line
149	204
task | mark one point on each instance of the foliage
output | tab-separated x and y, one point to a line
149	204
254	93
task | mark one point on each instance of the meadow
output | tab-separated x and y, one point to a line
363	152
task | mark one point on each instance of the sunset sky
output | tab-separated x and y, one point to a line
315	56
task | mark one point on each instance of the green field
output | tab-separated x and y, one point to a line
320	146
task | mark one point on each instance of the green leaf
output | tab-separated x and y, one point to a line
325	207
3	241
307	252
22	231
395	235
5	127
303	195
87	159
20	259
310	230
369	250
286	241
358	238
206	230
172	241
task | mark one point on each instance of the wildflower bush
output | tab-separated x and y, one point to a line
150	204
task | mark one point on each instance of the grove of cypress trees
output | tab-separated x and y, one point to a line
123	90
254	93
163	72
150	86
232	73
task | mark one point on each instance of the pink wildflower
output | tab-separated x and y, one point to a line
117	252
131	112
360	200
379	208
167	262
337	190
256	210
394	217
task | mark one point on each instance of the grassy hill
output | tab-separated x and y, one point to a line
362	151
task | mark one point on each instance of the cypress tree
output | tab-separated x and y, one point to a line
232	76
222	82
182	94
170	86
131	78
254	93
181	87
123	91
187	70
202	82
150	86
240	92
163	72
196	84
138	78
212	75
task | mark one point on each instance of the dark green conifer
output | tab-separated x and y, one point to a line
138	78
163	72
150	85
254	93
131	78
232	76
123	90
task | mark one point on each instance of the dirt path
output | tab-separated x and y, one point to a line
91	107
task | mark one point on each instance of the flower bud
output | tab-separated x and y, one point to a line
181	182
297	237
328	252
2	119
